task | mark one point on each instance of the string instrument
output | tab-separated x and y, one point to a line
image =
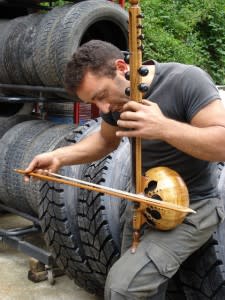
160	183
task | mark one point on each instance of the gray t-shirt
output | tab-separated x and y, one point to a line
180	91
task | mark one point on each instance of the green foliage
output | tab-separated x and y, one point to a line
187	31
55	3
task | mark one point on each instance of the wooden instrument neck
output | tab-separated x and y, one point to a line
135	47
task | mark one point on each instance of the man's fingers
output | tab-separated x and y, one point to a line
26	178
128	124
131	106
146	102
46	172
38	171
135	106
128	115
28	170
32	166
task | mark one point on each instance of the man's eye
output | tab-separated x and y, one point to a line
101	97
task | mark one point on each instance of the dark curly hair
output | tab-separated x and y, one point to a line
95	56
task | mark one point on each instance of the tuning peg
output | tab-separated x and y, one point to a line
127	75
127	91
141	16
143	87
140	26
127	58
141	47
141	37
143	71
126	55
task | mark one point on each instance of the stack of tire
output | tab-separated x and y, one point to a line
34	49
22	137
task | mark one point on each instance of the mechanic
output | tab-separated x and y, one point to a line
182	123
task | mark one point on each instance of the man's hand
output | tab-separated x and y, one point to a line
145	120
42	164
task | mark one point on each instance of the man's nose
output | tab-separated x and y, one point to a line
104	107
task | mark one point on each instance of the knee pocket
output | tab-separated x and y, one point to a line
124	274
166	263
220	213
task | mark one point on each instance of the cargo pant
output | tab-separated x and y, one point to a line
144	275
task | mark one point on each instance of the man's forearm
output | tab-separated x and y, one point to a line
204	143
90	149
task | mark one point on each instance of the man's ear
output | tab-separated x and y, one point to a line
121	65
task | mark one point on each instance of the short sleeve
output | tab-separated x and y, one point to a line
197	90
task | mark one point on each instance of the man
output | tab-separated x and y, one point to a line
182	124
